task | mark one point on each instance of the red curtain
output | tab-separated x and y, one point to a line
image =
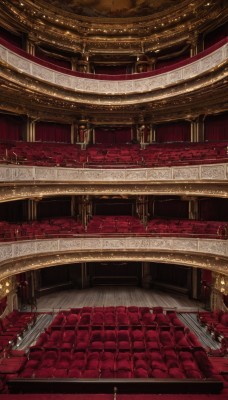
171	61
112	137
176	132
14	211
54	60
111	69
170	208
11	38
54	207
3	304
52	132
216	127
10	128
213	209
216	35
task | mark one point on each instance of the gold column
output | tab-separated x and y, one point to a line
194	44
193	208
30	46
30	130
32	210
195	130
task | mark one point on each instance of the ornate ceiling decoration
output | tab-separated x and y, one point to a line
115	8
159	24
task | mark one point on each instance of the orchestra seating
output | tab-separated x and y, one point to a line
117	342
118	225
12	326
124	156
216	323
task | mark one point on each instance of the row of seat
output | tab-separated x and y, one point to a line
115	317
216	322
14	325
58	363
67	155
127	352
71	226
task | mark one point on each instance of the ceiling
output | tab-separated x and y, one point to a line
114	8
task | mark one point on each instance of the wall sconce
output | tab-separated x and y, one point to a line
7	291
7	284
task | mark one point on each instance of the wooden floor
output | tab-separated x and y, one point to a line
115	296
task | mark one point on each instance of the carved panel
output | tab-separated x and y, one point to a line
42	72
159	174
213	246
106	87
21	249
188	173
213	172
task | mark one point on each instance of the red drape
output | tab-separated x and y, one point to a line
111	137
216	35
171	208
54	207
173	132
52	59
171	61
216	127
3	303
213	209
111	69
11	38
14	211
10	128
52	132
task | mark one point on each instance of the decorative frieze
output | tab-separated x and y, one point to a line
14	173
112	87
209	247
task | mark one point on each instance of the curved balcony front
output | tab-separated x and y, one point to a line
17	257
33	76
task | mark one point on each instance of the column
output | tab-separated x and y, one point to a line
30	46
84	276
146	275
194	44
193	208
201	119
32	209
30	130
195	130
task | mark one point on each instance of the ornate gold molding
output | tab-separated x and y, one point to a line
185	94
23	264
18	191
60	29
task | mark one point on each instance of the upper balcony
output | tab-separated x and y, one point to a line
195	85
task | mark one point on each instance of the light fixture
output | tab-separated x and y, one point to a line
7	283
222	281
7	291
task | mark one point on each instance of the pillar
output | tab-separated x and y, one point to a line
30	130
194	44
32	209
193	208
30	46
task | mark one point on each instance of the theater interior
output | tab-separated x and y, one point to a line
113	200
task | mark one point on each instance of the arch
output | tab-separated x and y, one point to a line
207	261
